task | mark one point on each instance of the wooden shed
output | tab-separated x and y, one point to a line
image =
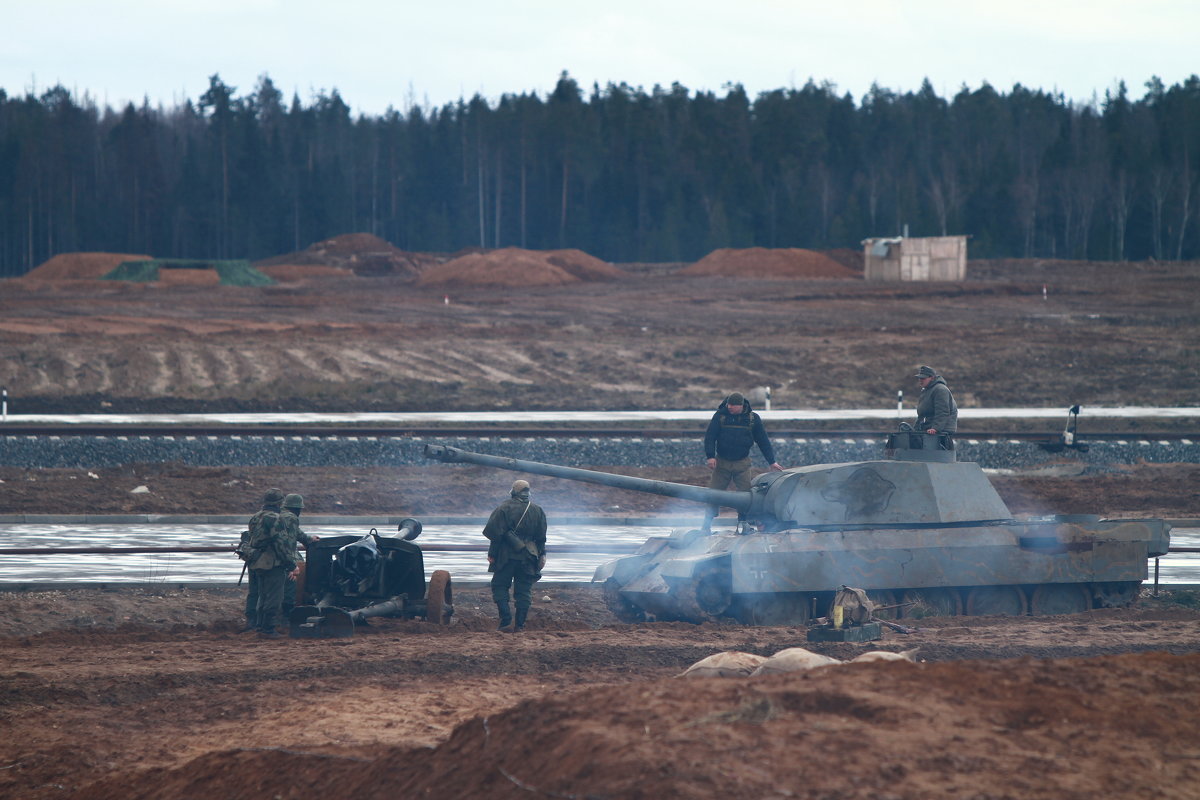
932	258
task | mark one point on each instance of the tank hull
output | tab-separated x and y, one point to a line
920	531
1008	567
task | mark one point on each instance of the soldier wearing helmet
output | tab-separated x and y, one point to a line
516	531
277	564
265	516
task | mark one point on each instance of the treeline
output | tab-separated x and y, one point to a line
622	173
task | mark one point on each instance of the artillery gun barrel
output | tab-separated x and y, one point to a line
699	494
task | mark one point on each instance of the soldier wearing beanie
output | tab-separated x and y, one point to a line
516	532
936	409
733	430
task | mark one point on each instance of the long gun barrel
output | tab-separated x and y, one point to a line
699	494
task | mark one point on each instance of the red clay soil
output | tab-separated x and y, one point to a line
1117	726
763	262
189	277
289	273
79	266
360	253
513	266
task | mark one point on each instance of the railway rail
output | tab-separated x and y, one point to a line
352	431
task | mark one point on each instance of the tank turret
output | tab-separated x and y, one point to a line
920	531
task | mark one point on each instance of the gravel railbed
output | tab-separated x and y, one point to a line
83	452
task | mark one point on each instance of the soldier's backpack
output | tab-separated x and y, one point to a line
259	539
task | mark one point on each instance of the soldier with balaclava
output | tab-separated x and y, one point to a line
516	532
733	430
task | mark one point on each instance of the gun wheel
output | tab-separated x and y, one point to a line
301	571
439	598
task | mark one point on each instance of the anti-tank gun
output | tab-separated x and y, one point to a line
918	530
349	579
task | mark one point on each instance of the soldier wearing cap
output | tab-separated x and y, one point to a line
516	532
733	430
277	562
936	410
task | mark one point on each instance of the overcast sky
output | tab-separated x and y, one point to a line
380	53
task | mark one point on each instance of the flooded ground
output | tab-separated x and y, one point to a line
224	568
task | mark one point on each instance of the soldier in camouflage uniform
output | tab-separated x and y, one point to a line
270	508
516	531
277	562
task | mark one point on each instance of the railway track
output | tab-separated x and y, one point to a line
358	431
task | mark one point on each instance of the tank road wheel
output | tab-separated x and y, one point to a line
921	603
706	595
884	597
1117	594
439	598
1060	598
714	591
995	600
620	607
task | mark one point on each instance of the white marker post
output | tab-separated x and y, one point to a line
899	403
4	406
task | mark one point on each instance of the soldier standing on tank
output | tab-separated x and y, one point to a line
266	515
516	532
733	430
277	562
936	409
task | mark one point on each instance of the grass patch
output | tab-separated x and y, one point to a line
236	272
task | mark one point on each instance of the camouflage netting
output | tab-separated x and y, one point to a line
199	272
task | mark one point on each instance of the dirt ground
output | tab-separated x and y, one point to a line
152	693
1102	334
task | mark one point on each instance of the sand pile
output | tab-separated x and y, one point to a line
356	253
763	262
79	266
512	266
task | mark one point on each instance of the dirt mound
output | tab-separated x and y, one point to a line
763	262
286	273
79	266
847	257
189	277
513	266
359	253
941	730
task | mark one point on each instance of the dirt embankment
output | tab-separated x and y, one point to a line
1102	334
172	703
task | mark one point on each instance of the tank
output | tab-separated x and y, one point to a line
923	533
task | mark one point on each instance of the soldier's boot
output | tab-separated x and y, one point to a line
522	614
706	525
505	616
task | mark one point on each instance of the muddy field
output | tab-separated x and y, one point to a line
150	693
1105	334
145	694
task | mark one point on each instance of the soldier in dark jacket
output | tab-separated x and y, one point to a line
733	430
516	533
936	410
266	515
276	562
